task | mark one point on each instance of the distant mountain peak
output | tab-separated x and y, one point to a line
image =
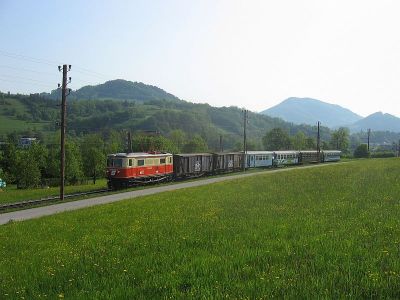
309	111
378	121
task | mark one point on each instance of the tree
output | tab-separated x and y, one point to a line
40	154
299	141
196	144
26	169
114	141
73	163
340	139
276	139
178	138
94	158
361	151
153	143
310	143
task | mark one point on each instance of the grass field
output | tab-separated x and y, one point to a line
12	194
11	123
329	232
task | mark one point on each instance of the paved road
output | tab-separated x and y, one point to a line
73	205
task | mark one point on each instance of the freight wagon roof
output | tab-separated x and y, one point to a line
193	154
225	153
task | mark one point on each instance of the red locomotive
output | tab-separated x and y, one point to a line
129	169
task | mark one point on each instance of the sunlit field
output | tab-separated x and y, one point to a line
329	232
12	194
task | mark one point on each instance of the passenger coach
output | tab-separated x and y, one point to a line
256	159
282	158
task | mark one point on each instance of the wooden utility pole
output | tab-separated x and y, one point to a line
398	149
369	134
245	116
64	95
129	137
221	146
318	142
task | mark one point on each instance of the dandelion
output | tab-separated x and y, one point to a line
61	295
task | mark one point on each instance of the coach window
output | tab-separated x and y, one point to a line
140	162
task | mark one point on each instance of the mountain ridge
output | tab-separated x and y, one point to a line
377	121
309	111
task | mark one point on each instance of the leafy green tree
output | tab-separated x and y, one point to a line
361	151
178	138
195	144
276	139
153	143
73	163
340	139
299	141
94	158
40	153
310	144
26	169
114	141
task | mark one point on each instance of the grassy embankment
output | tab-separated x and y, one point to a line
324	232
11	194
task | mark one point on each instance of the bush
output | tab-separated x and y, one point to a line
361	151
383	154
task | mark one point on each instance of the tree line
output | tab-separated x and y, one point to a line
39	164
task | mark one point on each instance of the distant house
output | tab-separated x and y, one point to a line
25	142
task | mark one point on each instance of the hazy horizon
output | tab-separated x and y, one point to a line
253	54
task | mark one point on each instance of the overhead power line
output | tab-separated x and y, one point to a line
82	70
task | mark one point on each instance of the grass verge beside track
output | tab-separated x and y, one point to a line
324	232
11	194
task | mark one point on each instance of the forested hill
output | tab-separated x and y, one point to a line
117	89
164	116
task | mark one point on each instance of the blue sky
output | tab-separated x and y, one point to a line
223	52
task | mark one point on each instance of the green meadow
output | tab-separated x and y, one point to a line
330	232
12	194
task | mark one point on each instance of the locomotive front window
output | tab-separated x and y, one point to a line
162	160
117	162
140	162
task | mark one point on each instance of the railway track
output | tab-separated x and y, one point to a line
28	203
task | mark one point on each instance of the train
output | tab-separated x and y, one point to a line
138	168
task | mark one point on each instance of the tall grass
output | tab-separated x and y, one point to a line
329	232
12	194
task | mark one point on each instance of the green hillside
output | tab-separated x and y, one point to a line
15	116
330	232
38	113
118	89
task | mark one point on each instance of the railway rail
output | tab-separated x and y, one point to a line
28	203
